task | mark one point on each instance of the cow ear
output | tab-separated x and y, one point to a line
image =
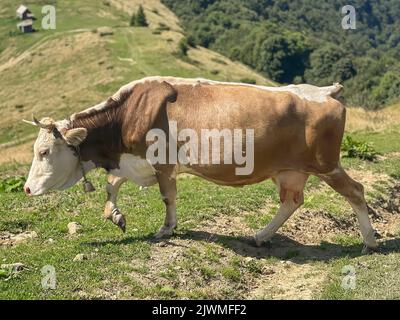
146	103
75	137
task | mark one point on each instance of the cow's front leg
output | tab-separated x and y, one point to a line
111	211
167	184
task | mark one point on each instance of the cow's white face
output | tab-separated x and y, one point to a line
55	166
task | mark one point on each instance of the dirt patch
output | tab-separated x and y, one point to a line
369	178
312	227
193	268
390	203
386	212
290	281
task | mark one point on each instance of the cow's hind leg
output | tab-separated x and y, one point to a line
354	193
290	186
111	211
167	184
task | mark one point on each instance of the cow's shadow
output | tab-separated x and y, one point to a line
281	246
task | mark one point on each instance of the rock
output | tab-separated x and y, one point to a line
80	257
14	267
267	270
287	264
105	31
7	238
248	259
73	227
25	236
389	234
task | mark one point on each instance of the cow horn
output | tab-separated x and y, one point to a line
29	122
49	125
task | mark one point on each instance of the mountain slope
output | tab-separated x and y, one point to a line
57	72
304	41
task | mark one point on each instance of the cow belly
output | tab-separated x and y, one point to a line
225	174
136	169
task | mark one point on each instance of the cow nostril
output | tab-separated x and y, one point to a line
27	190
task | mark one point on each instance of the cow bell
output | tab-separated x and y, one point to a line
88	186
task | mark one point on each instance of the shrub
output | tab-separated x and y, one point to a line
358	149
248	80
183	47
191	41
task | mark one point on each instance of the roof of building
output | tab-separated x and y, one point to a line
21	9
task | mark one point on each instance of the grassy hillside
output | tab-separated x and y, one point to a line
58	72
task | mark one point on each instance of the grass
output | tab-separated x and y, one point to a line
207	259
110	254
105	246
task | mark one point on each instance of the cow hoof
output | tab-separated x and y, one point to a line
369	250
118	219
258	242
164	232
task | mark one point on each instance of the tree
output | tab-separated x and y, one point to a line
141	20
329	64
132	23
388	90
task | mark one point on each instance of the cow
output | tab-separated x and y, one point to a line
297	132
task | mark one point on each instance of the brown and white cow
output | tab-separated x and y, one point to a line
297	131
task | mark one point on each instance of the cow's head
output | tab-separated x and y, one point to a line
55	162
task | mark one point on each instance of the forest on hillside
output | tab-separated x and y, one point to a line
295	41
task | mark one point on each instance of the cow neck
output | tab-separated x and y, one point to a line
103	144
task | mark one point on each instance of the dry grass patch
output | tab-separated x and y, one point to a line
359	119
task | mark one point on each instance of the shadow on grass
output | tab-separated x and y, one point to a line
281	247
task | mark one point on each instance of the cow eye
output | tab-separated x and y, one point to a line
44	153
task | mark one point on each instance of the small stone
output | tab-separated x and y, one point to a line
389	234
267	270
163	244
248	259
80	257
362	265
73	227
